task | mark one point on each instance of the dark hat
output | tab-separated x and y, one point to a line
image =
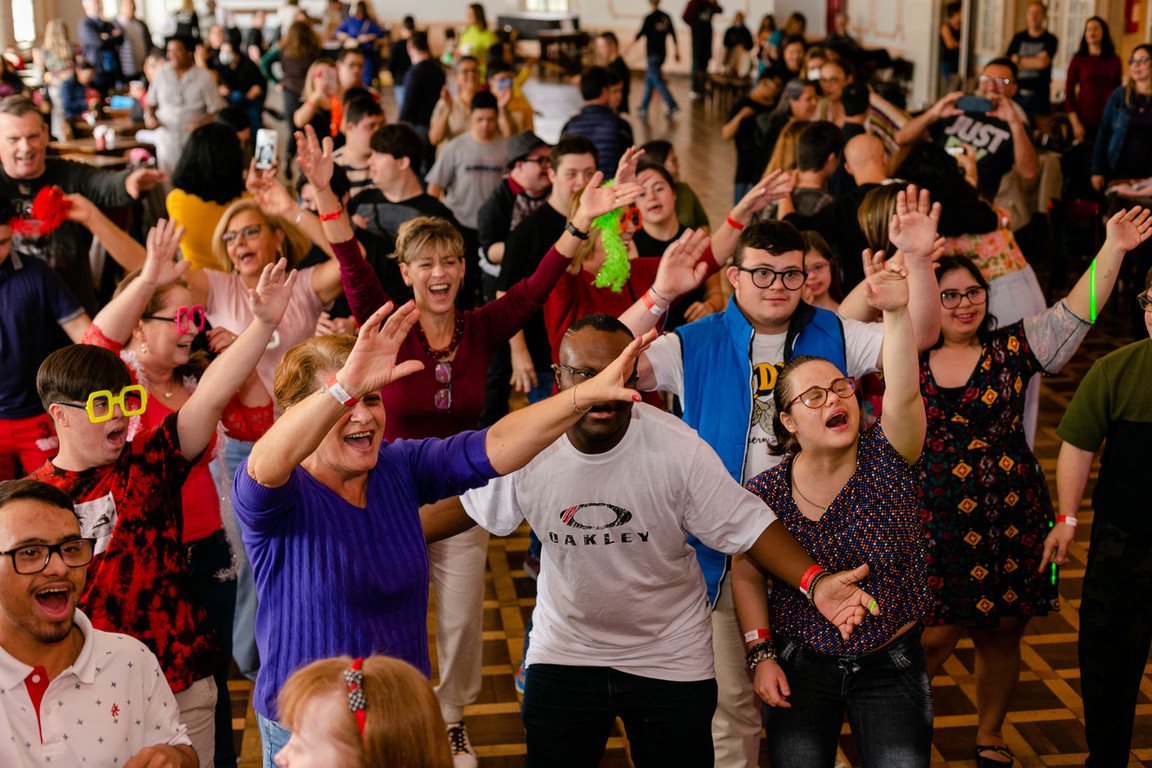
521	144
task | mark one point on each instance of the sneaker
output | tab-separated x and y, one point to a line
673	110
463	756
521	674
695	96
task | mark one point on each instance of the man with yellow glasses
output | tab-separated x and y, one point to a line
127	492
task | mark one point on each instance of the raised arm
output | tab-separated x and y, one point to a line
120	315
516	439
197	420
370	366
914	129
125	251
888	289
682	268
774	186
1024	154
1126	230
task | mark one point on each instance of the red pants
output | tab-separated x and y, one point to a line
32	441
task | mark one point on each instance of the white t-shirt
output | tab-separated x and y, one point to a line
111	703
862	343
619	585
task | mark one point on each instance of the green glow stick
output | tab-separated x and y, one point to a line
1091	319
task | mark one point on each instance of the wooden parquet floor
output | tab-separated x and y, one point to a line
1045	725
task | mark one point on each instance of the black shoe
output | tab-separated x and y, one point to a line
988	762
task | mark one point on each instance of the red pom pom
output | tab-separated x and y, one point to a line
49	211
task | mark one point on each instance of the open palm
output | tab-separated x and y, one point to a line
1127	229
372	363
913	225
314	157
270	297
160	265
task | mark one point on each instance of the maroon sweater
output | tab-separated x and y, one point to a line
408	402
1097	78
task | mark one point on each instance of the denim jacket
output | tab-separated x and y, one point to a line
1110	140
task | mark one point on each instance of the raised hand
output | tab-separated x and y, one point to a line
272	197
372	363
1127	229
609	384
270	297
913	225
160	265
596	200
842	602
680	269
885	284
774	186
314	157
626	168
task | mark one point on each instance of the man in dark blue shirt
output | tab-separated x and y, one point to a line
611	134
657	27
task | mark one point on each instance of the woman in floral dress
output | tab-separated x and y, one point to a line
984	498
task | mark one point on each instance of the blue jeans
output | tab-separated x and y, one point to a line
569	712
398	92
273	738
888	695
654	79
740	189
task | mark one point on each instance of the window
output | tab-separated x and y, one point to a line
1066	20
23	21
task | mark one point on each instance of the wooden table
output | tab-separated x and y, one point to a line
88	146
103	162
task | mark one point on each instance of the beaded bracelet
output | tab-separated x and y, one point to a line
752	635
811	591
763	651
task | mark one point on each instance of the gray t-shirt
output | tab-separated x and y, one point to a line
469	172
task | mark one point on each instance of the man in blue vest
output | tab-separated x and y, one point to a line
723	369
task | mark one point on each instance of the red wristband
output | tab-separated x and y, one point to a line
651	306
1067	520
340	393
806	579
756	635
332	216
734	224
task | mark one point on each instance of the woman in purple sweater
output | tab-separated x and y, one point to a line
329	510
446	396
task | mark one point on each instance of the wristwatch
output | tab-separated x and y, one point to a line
570	228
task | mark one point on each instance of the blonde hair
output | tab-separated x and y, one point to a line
786	153
424	232
309	78
298	374
296	243
403	727
57	41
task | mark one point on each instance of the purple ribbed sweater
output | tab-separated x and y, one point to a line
333	578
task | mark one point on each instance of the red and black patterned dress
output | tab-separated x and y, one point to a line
984	499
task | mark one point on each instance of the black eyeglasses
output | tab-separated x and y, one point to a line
1144	302
543	161
187	318
580	375
763	277
443	397
33	558
816	396
951	299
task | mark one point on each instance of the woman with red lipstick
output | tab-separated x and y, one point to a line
984	499
848	498
151	322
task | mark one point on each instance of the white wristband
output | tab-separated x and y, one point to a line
340	393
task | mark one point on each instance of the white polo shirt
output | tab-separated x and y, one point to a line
111	703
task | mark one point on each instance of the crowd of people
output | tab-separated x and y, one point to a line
278	424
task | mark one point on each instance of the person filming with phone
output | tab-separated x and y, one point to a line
990	122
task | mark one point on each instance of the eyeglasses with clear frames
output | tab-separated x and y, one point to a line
763	277
1144	301
1139	60
235	234
33	558
187	318
999	82
815	397
952	299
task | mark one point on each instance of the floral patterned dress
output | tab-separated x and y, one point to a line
984	499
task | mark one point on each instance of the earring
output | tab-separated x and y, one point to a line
143	348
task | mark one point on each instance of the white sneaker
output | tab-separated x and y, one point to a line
463	756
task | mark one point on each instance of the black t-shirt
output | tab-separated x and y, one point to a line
989	136
657	26
734	36
838	223
385	217
422	84
66	249
241	77
523	251
398	61
752	149
1026	46
648	247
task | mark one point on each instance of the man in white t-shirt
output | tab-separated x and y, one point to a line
622	625
69	693
723	369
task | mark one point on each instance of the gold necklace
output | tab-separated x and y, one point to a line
796	488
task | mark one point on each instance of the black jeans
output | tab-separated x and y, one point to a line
1115	634
888	695
569	711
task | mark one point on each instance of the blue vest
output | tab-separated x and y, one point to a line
718	391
